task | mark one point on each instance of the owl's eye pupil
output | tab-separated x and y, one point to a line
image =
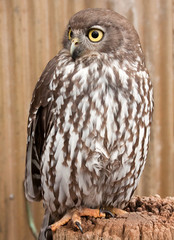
95	34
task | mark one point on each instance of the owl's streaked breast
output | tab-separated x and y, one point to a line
97	147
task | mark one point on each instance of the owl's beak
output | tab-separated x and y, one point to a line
73	49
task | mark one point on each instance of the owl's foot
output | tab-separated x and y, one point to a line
75	216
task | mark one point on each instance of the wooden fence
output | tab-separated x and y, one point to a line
30	34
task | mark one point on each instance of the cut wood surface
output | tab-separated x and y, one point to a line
147	218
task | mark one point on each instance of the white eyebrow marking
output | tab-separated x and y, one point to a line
97	27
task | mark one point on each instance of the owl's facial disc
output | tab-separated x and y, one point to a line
82	42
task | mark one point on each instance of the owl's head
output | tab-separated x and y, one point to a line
99	30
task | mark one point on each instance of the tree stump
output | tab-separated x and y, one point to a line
147	218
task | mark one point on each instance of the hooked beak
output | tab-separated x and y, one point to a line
73	49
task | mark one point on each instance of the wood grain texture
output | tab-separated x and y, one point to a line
30	35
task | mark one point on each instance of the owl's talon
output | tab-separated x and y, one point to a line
48	229
79	226
107	212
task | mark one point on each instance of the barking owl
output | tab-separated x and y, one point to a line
89	121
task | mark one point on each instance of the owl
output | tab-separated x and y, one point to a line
89	121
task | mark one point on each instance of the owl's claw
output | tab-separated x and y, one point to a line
112	211
48	229
107	212
79	226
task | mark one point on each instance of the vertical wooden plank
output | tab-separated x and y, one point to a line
61	19
167	161
157	24
11	136
78	5
15	170
150	21
5	130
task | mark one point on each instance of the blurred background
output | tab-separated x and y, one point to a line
30	35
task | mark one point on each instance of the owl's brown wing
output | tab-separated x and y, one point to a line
39	123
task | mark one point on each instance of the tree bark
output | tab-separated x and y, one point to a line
147	218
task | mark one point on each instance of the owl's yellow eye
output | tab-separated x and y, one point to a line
95	35
70	34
